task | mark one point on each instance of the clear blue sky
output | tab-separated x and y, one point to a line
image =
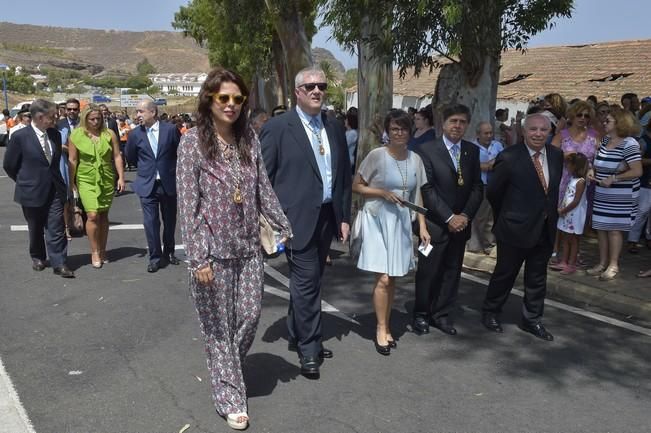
592	21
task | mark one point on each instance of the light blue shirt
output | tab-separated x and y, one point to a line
487	154
449	145
154	130
323	161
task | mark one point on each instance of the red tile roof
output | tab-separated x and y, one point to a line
606	70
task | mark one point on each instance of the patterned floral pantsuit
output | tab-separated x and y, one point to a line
229	311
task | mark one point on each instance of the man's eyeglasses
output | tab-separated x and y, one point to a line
72	109
310	86
225	98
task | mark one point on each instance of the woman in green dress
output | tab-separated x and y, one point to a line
94	155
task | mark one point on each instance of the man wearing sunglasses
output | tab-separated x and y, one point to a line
152	148
71	120
306	156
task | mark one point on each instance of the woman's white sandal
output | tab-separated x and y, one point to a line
234	420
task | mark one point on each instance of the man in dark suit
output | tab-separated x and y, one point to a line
109	121
523	192
71	121
32	160
307	161
152	146
453	193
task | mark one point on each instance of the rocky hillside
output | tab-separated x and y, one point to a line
95	51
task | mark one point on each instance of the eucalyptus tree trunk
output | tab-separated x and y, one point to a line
473	80
289	26
455	86
375	83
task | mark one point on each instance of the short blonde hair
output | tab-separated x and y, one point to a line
626	125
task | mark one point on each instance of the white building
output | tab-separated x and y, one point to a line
187	84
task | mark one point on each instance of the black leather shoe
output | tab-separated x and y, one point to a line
310	367
323	354
393	344
491	322
64	272
444	324
537	329
153	267
172	260
382	350
420	326
38	265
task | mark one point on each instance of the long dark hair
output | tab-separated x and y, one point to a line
205	124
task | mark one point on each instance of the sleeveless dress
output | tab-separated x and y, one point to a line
573	221
386	227
615	208
95	174
588	147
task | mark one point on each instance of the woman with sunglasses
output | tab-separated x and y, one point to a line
578	137
222	188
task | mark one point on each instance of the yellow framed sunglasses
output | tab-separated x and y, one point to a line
225	98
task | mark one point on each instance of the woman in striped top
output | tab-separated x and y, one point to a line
617	168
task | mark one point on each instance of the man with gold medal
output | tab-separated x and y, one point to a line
452	195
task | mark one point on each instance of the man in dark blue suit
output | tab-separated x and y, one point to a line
306	157
152	147
32	161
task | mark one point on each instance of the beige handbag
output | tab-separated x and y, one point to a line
267	236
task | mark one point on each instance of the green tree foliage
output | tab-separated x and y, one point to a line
239	34
21	83
135	82
465	30
145	68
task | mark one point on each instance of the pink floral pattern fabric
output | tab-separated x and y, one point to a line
225	235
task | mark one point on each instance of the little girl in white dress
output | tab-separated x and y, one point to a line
572	213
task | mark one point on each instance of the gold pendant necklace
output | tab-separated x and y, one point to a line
403	177
233	159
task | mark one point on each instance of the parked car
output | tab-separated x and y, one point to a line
98	99
160	101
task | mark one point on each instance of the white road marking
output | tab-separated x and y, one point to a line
571	309
12	413
23	227
282	279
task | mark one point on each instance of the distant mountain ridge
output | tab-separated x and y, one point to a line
108	51
99	50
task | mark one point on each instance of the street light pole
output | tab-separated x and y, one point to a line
4	84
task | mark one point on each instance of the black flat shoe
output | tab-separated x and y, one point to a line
310	367
491	322
393	344
537	329
64	271
420	326
445	325
382	350
153	267
38	265
173	260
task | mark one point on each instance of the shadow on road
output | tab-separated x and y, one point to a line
263	371
78	260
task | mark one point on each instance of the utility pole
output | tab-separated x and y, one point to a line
4	83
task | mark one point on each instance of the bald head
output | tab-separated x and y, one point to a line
484	133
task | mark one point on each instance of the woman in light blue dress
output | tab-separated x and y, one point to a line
388	176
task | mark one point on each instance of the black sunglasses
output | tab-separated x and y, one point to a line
310	86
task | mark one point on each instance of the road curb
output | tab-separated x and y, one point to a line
585	294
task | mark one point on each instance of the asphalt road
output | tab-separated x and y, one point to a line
119	350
